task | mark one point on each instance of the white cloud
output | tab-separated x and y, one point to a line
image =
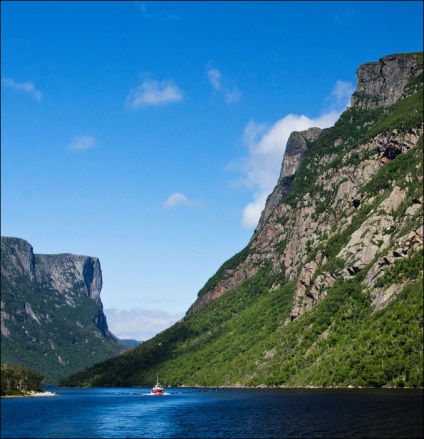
252	212
26	87
139	324
266	145
142	7
177	199
214	77
342	93
82	143
153	93
230	93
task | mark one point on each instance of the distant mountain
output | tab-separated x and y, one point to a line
52	319
328	292
130	342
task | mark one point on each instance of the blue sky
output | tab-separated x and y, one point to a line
149	134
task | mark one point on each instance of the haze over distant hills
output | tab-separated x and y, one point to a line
130	342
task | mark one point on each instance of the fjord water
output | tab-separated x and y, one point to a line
216	413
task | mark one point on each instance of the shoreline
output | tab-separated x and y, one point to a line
295	387
234	387
31	394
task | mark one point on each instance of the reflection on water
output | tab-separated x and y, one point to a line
212	413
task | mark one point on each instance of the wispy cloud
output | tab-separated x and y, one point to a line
153	93
222	85
266	145
26	87
82	143
139	324
145	12
177	199
214	77
231	96
142	7
341	94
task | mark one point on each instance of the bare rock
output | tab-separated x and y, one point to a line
382	83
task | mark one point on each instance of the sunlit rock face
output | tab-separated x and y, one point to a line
296	150
61	272
51	311
382	83
289	233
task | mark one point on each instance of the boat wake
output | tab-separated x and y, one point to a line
157	394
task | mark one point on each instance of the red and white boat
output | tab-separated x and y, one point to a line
157	388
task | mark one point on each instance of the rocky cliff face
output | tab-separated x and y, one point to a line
59	272
47	299
299	233
62	270
328	292
296	150
19	260
382	83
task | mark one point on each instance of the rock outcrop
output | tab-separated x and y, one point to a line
296	150
17	259
50	303
328	290
288	233
382	83
62	270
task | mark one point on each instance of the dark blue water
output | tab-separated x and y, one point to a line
209	413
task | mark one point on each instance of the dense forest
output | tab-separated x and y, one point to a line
16	380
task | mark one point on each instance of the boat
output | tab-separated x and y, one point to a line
157	388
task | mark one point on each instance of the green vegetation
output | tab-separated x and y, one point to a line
56	347
342	342
62	338
403	115
241	337
403	270
207	347
354	127
228	265
19	381
247	336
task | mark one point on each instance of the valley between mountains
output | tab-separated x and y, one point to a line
328	291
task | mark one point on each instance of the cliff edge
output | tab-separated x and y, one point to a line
51	311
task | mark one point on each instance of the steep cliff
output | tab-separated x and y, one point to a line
328	292
296	149
382	83
52	317
296	234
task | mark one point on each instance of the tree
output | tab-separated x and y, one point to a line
18	379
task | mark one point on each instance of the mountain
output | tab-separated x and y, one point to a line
52	318
328	292
130	342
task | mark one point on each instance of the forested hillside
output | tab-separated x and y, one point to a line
328	292
52	319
